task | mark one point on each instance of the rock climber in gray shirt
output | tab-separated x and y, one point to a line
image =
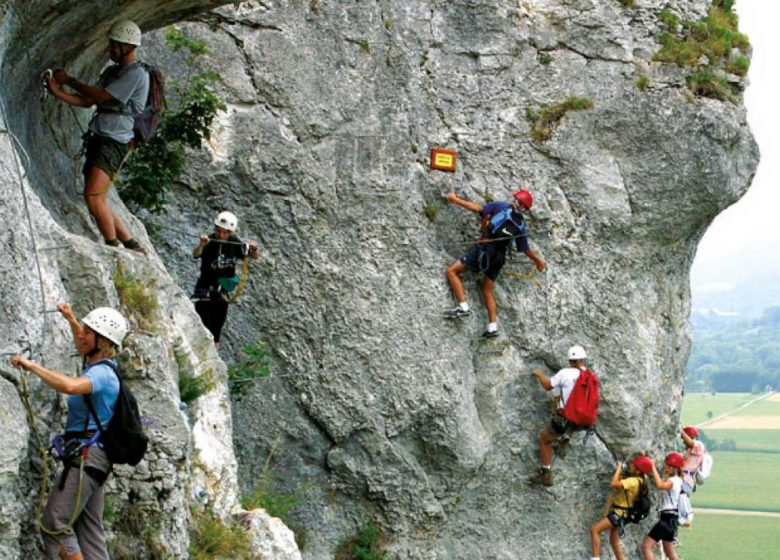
119	96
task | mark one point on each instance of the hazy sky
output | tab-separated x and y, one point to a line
745	239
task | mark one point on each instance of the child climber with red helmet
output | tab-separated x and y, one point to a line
694	455
666	528
502	223
625	491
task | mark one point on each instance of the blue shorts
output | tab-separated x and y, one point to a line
617	521
487	259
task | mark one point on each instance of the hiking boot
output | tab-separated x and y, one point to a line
457	313
563	447
490	334
545	477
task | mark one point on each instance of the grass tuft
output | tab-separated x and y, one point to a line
709	44
137	297
366	544
257	364
546	119
211	539
431	210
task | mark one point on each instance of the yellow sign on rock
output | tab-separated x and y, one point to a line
443	159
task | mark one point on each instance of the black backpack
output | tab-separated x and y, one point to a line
641	506
146	122
124	440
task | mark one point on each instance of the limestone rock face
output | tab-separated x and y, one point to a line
380	409
48	259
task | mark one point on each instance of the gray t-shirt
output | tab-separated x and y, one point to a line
129	87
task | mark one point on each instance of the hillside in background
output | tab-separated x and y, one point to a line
731	354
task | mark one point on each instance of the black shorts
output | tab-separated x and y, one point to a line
487	259
666	528
104	153
559	425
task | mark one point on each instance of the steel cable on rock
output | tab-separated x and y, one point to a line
24	391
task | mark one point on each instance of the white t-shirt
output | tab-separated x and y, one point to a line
564	380
670	498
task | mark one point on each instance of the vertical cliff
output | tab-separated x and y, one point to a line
379	409
53	254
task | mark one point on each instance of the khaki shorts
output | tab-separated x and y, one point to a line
104	153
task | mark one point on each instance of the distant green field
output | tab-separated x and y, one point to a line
696	406
761	408
721	537
748	440
746	481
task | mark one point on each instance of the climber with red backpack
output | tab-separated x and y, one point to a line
629	503
128	98
501	224
576	409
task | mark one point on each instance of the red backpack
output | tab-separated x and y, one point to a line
582	406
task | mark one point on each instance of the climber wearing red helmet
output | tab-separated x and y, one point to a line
694	455
625	491
671	488
502	223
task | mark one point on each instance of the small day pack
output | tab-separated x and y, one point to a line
505	224
640	509
705	468
123	440
147	121
582	406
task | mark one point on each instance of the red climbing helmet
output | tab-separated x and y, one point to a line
524	197
691	431
643	464
675	460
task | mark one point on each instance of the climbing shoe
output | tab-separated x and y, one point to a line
113	243
544	477
490	334
133	245
563	446
457	313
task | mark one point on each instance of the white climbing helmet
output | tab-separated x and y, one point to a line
107	322
227	220
125	32
576	353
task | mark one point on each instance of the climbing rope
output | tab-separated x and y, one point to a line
241	282
25	390
44	456
190	234
26	206
486	240
529	276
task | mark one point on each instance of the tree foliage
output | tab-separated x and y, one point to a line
156	165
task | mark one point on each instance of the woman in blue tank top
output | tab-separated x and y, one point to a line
71	524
